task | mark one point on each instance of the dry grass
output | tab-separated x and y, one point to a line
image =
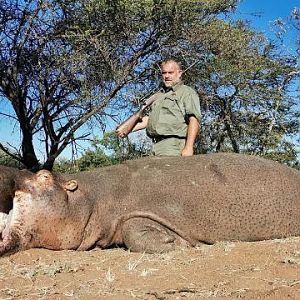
264	270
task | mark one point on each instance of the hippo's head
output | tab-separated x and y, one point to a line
43	214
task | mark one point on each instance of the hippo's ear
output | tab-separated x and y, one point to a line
71	185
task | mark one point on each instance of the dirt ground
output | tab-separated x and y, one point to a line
231	270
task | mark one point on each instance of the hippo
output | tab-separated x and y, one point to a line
156	204
7	190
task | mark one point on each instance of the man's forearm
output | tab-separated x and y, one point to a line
141	125
126	127
192	133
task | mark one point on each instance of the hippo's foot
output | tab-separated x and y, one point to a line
142	235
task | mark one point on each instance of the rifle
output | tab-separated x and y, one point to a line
126	127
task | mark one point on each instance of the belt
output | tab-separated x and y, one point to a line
159	138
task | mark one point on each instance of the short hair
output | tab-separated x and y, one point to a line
171	60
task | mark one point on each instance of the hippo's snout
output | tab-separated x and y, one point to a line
18	194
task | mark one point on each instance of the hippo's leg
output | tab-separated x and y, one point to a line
144	235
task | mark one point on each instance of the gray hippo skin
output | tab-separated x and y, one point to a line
155	204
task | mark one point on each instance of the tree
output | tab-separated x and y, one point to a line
35	79
6	160
291	24
247	105
295	19
124	149
104	152
93	159
61	68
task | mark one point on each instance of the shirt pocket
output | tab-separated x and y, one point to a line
171	106
171	119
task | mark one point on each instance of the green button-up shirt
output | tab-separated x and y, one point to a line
169	113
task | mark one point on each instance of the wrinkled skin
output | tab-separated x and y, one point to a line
156	204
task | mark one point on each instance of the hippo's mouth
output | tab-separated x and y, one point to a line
9	241
3	221
11	227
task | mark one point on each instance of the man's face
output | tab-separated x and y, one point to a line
171	73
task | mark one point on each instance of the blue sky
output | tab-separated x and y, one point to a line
261	14
268	10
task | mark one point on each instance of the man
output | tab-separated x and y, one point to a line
173	121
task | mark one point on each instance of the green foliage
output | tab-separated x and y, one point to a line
93	159
65	166
285	154
124	149
107	151
8	161
90	160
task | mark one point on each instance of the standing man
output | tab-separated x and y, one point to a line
173	121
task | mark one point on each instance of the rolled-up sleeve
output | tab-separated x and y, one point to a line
192	105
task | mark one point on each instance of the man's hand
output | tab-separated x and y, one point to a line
187	151
120	132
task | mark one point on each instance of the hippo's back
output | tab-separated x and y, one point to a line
210	197
219	196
